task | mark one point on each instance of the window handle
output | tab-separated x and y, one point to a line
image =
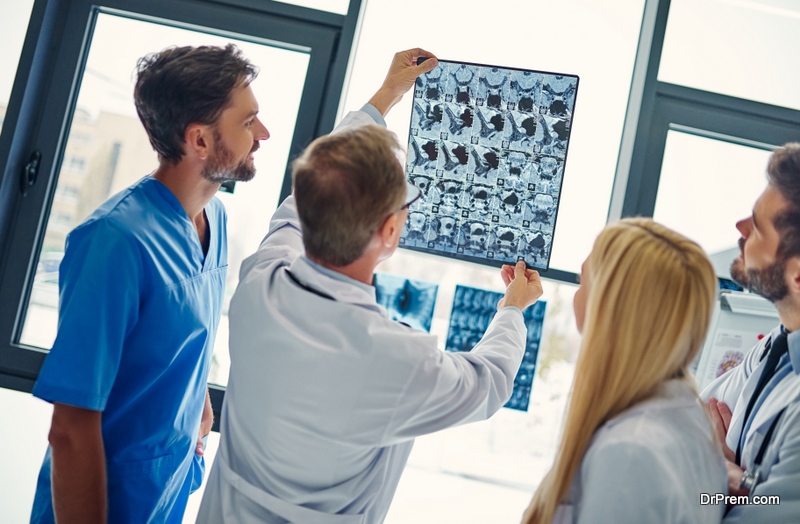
30	172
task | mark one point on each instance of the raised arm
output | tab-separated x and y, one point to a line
449	389
284	239
401	77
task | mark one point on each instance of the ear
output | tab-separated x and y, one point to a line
198	140
793	275
390	231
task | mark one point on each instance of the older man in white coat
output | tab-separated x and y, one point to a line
326	392
762	433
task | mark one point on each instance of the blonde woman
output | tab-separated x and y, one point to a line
637	446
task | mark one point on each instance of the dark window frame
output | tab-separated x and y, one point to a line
44	94
655	108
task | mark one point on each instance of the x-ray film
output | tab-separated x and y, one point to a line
473	310
487	147
408	301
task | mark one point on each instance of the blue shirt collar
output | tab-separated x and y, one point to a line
794	349
338	276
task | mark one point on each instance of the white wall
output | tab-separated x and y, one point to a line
24	424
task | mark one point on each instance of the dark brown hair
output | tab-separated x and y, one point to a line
180	86
346	184
783	172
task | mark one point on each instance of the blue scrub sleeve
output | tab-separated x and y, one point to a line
99	291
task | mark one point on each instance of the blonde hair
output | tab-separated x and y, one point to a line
649	304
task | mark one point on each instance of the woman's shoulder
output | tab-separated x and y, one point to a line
669	421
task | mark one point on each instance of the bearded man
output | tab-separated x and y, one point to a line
756	406
141	290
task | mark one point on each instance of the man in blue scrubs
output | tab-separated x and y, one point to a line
141	291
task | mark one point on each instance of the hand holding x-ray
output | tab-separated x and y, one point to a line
523	286
401	76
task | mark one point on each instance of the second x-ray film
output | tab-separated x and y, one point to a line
487	147
473	310
408	301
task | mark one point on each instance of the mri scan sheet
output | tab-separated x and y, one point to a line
408	301
473	310
487	147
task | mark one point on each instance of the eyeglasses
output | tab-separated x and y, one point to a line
408	204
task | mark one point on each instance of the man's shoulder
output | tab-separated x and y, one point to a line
123	209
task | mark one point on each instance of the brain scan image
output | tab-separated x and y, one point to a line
484	164
509	206
520	131
472	312
413	234
443	233
558	96
479	203
552	135
446	194
515	172
426	119
549	171
525	88
425	184
492	88
408	301
488	148
423	156
453	159
462	83
473	238
487	130
534	244
457	122
431	86
539	211
504	241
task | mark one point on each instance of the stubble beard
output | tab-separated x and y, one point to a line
769	282
220	167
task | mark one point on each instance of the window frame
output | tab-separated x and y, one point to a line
42	104
655	107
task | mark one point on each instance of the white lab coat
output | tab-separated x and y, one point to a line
780	466
326	396
649	465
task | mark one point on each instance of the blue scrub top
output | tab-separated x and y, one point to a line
139	310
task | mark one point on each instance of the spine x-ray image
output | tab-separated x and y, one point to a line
473	310
487	147
408	301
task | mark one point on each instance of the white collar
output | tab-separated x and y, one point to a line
339	287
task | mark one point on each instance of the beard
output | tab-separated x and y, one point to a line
220	167
769	282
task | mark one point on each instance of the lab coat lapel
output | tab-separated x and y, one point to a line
737	418
779	398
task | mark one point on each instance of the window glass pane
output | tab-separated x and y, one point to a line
523	36
706	186
334	6
13	26
108	150
742	48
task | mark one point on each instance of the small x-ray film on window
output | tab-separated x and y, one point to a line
473	310
487	147
408	301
